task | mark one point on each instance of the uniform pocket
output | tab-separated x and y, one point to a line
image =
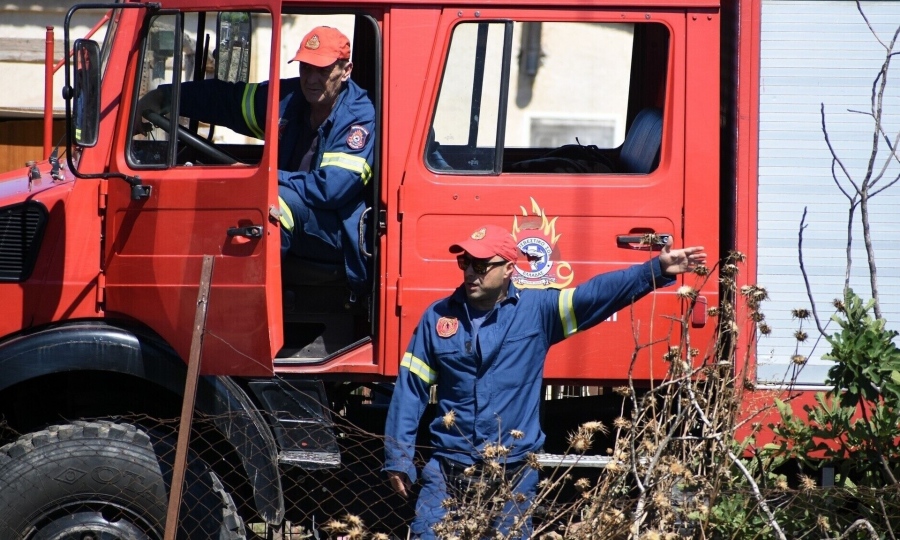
521	360
522	336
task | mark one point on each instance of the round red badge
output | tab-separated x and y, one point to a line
357	137
447	326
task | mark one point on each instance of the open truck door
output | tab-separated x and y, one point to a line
579	178
189	195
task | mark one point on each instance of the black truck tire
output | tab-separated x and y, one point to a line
105	480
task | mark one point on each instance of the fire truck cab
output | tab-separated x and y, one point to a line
575	126
498	116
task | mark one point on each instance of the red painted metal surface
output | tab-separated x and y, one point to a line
152	249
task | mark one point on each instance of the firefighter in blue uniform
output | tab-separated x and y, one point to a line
484	346
326	146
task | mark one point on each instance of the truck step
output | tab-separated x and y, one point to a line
573	460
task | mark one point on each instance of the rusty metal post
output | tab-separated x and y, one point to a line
190	394
48	92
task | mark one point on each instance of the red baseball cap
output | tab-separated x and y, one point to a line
323	46
488	241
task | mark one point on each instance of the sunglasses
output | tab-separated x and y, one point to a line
479	266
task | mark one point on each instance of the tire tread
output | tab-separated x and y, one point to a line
232	525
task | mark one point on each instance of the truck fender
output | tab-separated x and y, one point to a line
100	346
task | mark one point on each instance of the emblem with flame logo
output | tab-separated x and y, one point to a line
536	237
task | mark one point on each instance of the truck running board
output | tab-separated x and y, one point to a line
310	460
573	460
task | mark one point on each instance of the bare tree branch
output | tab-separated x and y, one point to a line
809	294
859	524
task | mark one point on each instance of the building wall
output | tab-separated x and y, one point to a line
23	31
820	58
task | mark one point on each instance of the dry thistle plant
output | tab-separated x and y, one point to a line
673	442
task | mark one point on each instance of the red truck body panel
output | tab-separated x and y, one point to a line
152	248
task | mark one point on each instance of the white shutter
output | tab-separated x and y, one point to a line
815	53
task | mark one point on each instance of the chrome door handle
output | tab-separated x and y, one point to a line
646	242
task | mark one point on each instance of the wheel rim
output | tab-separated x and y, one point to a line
91	525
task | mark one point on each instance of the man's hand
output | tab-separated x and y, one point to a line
679	261
400	482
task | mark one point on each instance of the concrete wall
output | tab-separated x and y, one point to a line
23	36
22	43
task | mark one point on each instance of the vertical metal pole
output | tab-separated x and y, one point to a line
190	394
48	92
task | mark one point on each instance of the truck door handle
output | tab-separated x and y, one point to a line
362	233
633	241
250	231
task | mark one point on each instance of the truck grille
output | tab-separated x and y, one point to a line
21	229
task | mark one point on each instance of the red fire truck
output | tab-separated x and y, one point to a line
581	127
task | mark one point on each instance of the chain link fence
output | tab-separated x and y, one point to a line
110	479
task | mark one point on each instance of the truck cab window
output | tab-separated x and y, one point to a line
563	109
212	45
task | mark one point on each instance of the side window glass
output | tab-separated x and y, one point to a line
150	144
184	48
569	110
109	37
464	133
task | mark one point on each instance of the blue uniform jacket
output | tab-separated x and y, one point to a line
342	166
494	383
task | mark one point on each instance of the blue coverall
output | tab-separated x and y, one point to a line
492	381
321	206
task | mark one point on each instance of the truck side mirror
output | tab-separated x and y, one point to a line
233	38
86	92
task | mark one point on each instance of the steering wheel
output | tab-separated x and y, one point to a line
197	143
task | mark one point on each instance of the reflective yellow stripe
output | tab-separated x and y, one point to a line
249	111
287	217
567	312
349	162
418	368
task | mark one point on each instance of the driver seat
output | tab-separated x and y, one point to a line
640	151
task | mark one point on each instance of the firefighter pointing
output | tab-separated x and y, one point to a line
484	346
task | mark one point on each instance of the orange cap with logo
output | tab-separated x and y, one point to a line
488	241
323	46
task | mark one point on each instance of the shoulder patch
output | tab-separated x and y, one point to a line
357	137
447	326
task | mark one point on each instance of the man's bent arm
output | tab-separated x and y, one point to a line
411	394
343	171
222	103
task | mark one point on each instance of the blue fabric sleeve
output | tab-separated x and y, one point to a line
411	394
598	298
221	103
